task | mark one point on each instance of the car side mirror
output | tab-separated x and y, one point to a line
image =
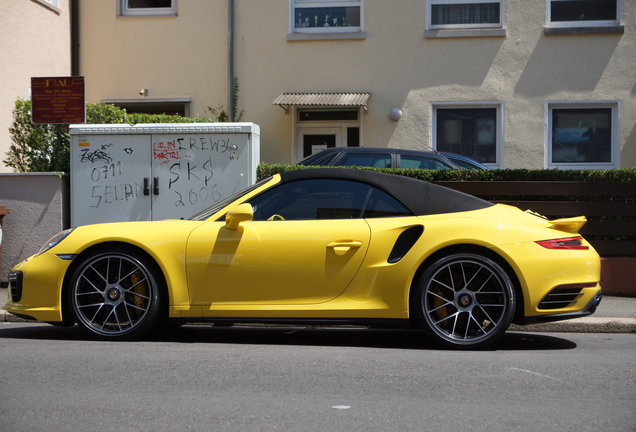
240	213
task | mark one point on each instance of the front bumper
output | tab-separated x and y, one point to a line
36	288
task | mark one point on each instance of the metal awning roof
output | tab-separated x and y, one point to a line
285	100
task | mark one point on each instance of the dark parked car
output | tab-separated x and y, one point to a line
390	158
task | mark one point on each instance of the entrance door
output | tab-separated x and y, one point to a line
316	139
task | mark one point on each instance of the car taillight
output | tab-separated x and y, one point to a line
575	243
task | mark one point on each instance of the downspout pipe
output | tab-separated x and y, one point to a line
75	38
230	37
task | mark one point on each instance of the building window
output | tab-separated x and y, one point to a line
584	13
582	135
148	7
326	16
474	131
54	5
153	106
452	14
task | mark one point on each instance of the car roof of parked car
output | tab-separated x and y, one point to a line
422	198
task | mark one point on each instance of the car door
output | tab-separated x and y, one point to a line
304	246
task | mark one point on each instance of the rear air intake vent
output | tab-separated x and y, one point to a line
561	297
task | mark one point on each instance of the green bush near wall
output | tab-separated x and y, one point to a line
45	147
623	175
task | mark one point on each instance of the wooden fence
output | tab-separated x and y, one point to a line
609	207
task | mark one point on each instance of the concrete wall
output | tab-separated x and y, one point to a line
38	203
183	56
35	42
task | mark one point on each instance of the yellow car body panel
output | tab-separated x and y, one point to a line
274	262
44	275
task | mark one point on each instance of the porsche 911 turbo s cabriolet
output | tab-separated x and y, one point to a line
324	245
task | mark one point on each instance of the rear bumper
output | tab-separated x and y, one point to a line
589	309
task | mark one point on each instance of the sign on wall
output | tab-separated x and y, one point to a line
57	100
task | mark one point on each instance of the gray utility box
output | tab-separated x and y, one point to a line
158	171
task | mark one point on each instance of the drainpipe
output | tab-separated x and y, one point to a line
230	37
75	42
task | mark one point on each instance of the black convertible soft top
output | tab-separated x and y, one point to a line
422	198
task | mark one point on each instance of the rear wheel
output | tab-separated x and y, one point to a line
464	300
115	294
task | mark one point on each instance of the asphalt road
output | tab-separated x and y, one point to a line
265	379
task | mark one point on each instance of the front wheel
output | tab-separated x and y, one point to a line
464	300
115	294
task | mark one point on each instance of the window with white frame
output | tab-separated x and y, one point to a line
148	7
450	14
582	135
51	4
326	16
584	13
472	130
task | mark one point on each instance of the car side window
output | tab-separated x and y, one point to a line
376	160
409	161
381	204
312	199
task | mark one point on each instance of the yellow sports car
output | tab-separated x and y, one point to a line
324	245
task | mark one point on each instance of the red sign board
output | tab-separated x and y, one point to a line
58	100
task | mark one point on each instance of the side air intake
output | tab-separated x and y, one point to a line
404	243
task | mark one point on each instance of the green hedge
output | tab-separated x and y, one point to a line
45	147
624	175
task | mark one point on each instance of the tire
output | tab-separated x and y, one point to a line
115	294
464	300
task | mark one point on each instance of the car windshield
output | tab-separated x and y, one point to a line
205	214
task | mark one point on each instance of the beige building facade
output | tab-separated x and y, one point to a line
532	85
35	42
511	83
172	57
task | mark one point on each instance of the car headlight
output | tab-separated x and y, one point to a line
57	238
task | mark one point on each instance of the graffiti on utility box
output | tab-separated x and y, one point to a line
157	176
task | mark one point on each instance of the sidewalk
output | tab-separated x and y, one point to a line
614	315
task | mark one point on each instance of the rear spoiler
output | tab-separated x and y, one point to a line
572	225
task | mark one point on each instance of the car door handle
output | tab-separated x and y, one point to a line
342	246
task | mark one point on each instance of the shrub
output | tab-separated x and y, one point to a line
622	175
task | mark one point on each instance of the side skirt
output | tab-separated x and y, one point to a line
369	322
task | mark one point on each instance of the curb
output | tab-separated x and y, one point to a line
582	325
9	317
577	325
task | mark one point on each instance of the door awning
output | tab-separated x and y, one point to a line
285	100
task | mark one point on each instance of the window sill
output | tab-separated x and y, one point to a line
325	36
457	33
49	6
552	31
